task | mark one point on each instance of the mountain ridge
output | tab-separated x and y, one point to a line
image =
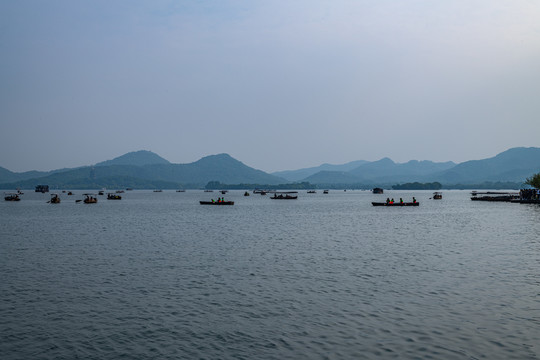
145	167
137	158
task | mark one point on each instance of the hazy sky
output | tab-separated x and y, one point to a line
276	84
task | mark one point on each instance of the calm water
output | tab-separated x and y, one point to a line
158	276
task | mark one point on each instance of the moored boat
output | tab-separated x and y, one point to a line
42	188
55	199
111	196
437	195
495	196
377	191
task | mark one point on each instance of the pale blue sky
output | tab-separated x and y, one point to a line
276	84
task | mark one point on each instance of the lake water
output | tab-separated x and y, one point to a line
158	276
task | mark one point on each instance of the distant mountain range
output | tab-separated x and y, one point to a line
513	165
145	169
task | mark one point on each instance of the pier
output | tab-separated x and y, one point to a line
524	196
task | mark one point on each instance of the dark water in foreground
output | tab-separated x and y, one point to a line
157	276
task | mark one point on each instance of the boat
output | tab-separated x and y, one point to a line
111	196
101	192
437	195
70	193
246	194
158	190
325	192
311	192
181	190
216	202
90	199
11	197
208	190
377	191
119	191
396	204
55	199
42	188
224	191
284	195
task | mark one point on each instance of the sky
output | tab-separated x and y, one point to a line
278	85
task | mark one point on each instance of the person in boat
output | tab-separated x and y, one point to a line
414	200
387	200
392	201
401	200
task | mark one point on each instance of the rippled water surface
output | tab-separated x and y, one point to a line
158	276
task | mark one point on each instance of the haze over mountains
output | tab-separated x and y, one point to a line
145	169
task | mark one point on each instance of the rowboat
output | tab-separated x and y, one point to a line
217	203
11	197
396	204
284	197
90	199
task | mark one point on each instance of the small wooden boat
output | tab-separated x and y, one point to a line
311	192
224	191
284	197
246	194
158	190
395	204
12	197
113	197
181	190
377	191
70	193
101	192
437	195
90	199
216	202
325	192
55	199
